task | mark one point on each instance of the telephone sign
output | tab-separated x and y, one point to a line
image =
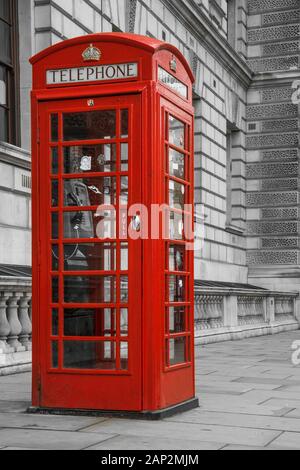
113	294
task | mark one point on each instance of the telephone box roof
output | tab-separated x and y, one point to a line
146	43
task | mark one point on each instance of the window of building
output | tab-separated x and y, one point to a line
8	71
232	22
232	137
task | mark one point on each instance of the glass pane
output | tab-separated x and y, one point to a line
55	225
177	258
90	322
3	86
3	125
54	161
5	10
90	224
55	194
124	190
54	364
54	127
90	257
90	289
176	289
55	322
177	351
5	42
124	289
176	195
124	256
55	257
176	132
176	164
124	123
90	191
99	355
176	320
124	356
124	157
90	125
90	158
176	226
124	321
55	290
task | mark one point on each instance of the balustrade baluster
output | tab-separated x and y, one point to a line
4	324
14	323
25	320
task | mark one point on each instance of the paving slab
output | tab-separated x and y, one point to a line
50	440
287	440
47	422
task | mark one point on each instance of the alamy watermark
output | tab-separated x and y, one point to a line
296	353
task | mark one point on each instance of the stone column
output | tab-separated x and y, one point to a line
23	314
4	324
14	323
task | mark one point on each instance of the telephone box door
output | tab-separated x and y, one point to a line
89	335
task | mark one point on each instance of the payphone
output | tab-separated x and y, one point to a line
113	320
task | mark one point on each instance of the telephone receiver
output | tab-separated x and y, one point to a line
77	224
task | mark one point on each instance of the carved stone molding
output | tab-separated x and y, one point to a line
132	4
281	155
255	6
272	257
280	213
277	94
274	33
272	199
272	140
266	65
263	228
279	184
280	110
282	48
281	17
285	125
261	170
274	243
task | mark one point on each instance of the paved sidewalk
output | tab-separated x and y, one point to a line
249	399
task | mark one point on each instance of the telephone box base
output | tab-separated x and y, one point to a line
143	415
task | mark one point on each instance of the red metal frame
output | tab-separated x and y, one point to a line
150	383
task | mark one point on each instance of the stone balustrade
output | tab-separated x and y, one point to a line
15	321
227	313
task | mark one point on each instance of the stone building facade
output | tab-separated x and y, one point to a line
245	57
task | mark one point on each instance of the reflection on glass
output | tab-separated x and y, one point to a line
54	224
55	290
90	257
177	351
90	191
124	356
176	289
54	127
124	321
176	258
124	123
54	160
124	157
90	159
124	289
89	125
176	226
124	190
90	289
176	132
55	257
90	322
54	195
54	361
124	256
176	164
176	320
55	322
89	355
79	225
176	194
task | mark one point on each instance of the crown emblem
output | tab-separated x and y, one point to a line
173	64
92	53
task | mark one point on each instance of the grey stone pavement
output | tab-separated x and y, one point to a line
249	395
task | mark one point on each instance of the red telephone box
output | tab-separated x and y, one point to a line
112	305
